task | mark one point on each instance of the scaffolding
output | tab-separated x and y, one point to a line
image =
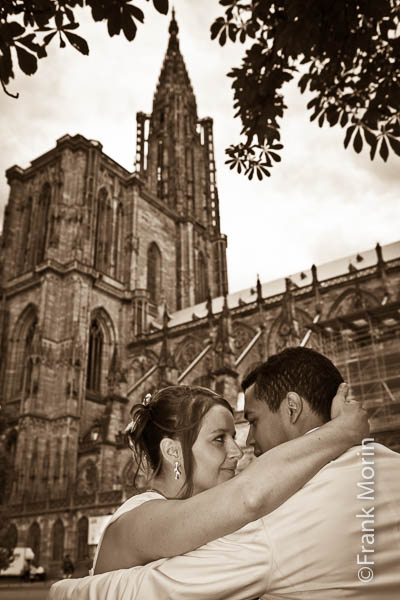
365	346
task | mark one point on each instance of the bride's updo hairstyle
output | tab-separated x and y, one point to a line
175	412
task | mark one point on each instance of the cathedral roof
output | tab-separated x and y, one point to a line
302	279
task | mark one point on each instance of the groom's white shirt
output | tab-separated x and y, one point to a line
311	547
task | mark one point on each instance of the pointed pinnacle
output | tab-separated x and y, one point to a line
173	26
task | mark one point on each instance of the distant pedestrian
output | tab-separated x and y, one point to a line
68	567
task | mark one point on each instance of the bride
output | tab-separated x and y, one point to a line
185	436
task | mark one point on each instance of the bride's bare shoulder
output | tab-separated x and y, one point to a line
125	532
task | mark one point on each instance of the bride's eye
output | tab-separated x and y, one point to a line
219	438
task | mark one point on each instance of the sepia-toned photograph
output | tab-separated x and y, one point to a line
199	300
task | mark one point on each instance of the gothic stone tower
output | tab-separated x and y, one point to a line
91	257
175	157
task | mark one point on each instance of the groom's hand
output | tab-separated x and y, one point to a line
354	416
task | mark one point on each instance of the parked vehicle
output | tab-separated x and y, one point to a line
37	573
22	566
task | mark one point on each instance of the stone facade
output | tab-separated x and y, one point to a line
115	283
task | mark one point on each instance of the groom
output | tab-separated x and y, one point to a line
337	537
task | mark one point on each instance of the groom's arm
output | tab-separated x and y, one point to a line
235	567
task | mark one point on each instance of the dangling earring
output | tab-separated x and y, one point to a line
177	470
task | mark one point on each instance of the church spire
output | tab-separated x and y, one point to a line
173	26
175	160
173	76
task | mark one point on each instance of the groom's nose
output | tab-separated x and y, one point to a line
250	441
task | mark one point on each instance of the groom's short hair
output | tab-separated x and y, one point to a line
303	370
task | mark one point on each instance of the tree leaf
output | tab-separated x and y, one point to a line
59	19
370	138
136	12
303	82
216	27
6	71
161	6
11	30
26	60
69	14
332	115
373	150
232	31
129	27
275	156
114	23
312	102
343	119
357	142
70	26
395	144
349	133
98	12
384	150
77	42
49	37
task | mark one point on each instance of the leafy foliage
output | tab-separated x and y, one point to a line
28	26
346	53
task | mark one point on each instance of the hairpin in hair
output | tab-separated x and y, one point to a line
146	399
131	426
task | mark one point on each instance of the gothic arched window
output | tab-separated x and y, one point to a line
33	541
34	460
118	250
82	545
154	272
46	462
66	459
26	228
57	460
57	540
103	232
95	355
201	279
42	223
160	167
11	445
26	379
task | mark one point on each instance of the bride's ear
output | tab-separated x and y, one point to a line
170	450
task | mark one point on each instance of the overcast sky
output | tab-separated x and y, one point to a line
321	203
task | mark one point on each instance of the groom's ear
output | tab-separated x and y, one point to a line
293	407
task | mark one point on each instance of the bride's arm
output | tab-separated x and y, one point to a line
165	528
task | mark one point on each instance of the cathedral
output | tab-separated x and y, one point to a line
114	283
